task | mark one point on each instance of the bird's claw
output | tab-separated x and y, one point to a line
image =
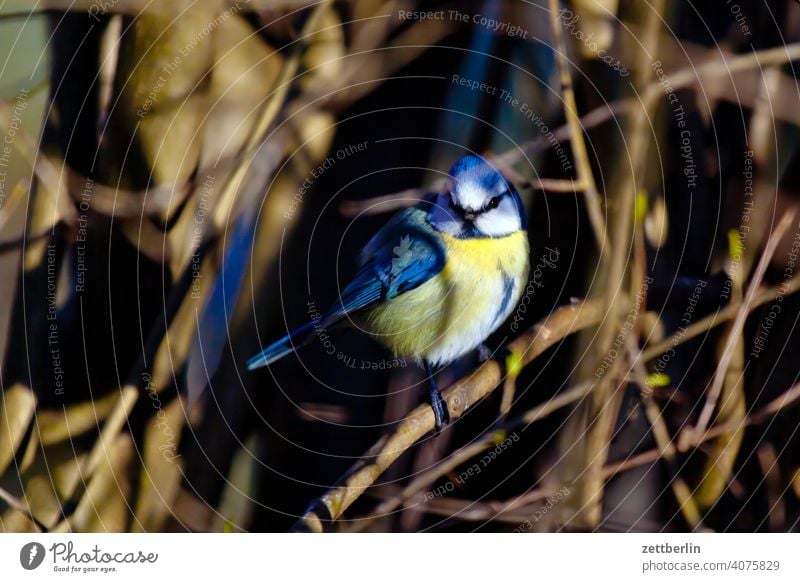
440	411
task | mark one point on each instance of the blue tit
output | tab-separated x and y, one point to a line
438	278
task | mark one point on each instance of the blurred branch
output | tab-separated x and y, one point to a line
581	463
275	101
722	67
168	340
366	67
682	78
513	510
460	397
50	176
410	196
12	202
583	165
120	203
18	505
22	240
770	467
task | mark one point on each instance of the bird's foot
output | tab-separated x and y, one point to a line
440	410
438	404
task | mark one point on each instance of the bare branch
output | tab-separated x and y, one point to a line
741	317
460	397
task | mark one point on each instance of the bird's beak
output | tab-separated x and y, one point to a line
470	216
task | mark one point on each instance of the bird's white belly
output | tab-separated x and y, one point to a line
475	315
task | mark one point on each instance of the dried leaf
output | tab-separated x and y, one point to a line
13	521
656	223
75	419
236	505
42	500
16	411
597	20
123	405
103	507
191	512
161	474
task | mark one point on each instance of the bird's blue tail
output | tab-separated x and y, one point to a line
280	348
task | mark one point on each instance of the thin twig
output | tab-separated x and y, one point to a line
683	78
773	407
470	510
724	67
719	317
665	443
469	451
738	323
18	505
583	166
423	481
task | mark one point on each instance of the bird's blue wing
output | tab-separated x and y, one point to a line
403	255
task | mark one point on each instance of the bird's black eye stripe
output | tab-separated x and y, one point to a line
458	209
494	202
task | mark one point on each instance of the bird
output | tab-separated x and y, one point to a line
437	279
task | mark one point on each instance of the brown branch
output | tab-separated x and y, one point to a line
773	407
467	452
583	165
513	510
460	397
47	173
17	242
596	417
664	442
718	318
24	508
680	79
12	202
738	324
469	510
722	67
426	479
119	203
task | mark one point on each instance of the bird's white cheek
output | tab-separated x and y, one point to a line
498	224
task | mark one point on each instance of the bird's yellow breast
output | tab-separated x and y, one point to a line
456	310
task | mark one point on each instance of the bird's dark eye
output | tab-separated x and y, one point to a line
494	202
